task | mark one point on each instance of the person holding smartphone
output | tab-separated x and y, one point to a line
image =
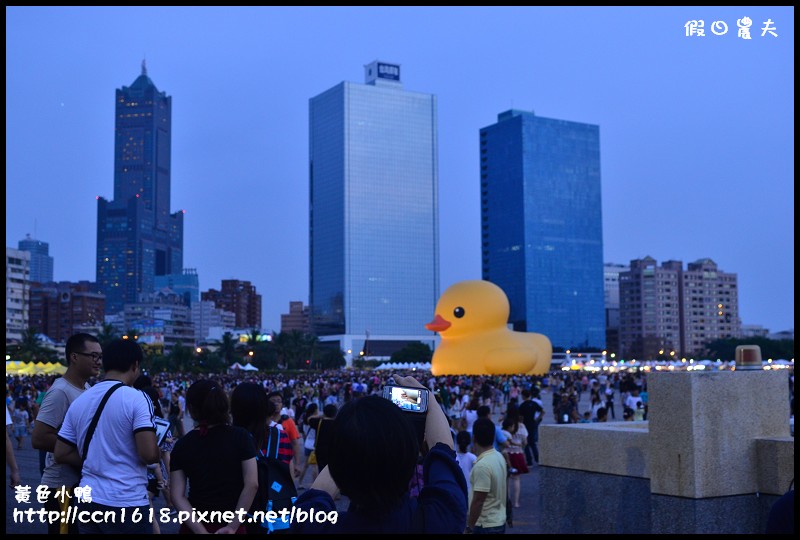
373	456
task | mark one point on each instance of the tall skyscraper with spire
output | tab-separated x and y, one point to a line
137	236
374	223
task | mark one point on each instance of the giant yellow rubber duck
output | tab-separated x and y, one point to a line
471	318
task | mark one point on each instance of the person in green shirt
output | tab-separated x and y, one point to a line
489	492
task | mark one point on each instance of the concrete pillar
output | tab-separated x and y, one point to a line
703	429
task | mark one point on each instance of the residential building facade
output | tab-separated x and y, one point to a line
668	312
296	319
61	309
240	298
611	272
205	315
18	290
709	305
160	318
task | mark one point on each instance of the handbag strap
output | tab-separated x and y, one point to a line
319	429
274	434
96	419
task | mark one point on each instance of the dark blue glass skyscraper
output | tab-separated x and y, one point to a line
41	261
374	241
137	237
541	225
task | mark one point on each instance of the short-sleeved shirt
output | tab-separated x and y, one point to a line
285	448
500	439
20	418
324	427
291	429
466	461
213	465
488	475
529	410
52	411
520	438
633	402
112	468
470	416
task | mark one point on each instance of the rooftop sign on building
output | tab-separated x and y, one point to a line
380	72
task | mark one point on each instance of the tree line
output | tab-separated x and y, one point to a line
297	350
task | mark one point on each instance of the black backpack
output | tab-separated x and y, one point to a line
276	489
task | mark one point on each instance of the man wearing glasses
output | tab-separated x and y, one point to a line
84	358
286	422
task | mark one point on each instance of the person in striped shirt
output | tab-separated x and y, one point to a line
287	424
285	448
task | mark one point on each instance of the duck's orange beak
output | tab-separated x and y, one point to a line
438	324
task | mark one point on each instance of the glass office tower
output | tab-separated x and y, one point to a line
41	261
374	244
542	235
137	237
186	285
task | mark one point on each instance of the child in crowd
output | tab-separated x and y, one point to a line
464	457
22	421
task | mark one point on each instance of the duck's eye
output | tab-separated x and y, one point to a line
458	312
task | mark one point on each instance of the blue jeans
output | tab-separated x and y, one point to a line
531	448
501	529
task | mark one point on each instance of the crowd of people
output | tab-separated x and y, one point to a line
457	468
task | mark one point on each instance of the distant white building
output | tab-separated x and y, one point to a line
161	318
206	316
117	320
754	330
783	334
18	292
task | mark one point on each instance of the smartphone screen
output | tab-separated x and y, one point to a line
408	399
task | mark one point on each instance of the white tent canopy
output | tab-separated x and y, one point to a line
249	367
396	365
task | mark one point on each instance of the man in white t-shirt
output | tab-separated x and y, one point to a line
634	401
114	464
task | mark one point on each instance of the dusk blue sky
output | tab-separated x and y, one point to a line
696	133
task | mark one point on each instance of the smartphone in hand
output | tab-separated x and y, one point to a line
408	399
